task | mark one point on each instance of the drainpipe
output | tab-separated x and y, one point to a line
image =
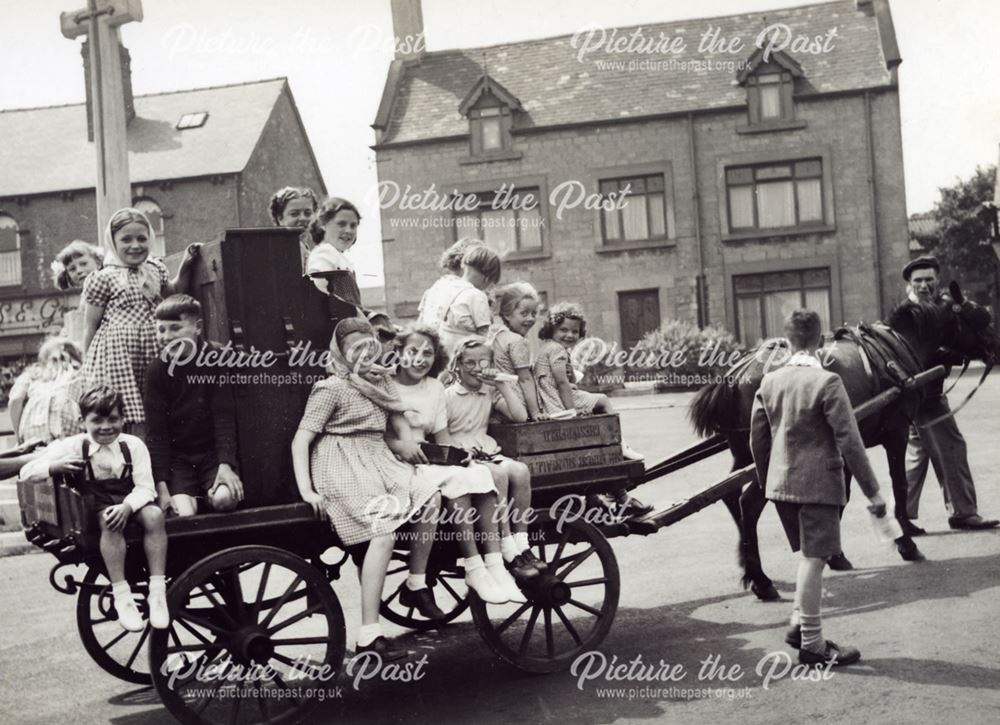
700	286
873	198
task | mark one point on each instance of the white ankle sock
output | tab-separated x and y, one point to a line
795	619
521	541
121	589
157	583
493	559
369	633
471	563
416	581
812	633
508	548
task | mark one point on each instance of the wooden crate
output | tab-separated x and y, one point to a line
524	439
541	464
38	502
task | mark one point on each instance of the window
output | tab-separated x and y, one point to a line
490	109
508	220
763	301
10	251
192	120
489	128
155	215
770	88
642	209
775	196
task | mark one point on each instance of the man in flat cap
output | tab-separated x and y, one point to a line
942	443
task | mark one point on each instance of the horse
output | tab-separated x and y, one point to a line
917	333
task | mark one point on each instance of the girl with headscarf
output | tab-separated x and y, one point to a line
119	336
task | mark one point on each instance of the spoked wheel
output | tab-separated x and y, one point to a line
117	652
569	610
448	587
255	632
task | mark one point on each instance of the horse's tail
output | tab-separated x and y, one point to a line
715	408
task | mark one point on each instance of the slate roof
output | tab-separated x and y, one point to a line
44	150
556	88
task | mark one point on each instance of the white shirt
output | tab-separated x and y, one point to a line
324	257
436	299
107	462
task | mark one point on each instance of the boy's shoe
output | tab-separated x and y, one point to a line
834	655
480	581
159	615
633	508
527	561
422	600
128	614
506	582
839	562
972	523
384	649
793	637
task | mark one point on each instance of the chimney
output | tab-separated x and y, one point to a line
126	61
408	30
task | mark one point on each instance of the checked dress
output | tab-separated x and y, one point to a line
125	342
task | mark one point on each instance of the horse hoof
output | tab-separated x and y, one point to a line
766	593
909	551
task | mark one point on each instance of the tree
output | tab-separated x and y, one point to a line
960	241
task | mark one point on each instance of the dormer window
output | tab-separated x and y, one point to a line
490	109
770	89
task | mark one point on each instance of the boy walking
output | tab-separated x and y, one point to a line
802	430
190	417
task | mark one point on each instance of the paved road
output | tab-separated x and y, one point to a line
928	632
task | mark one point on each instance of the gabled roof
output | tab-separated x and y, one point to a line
555	87
45	150
487	85
778	57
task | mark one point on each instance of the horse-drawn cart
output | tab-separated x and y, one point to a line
257	631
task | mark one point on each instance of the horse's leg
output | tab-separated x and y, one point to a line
750	503
895	450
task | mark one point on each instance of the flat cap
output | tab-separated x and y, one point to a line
925	262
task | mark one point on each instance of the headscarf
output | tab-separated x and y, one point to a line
367	384
147	274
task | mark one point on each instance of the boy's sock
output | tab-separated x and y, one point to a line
416	581
471	563
521	541
368	634
157	584
812	633
796	619
493	560
508	548
121	589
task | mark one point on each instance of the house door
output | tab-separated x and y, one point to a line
640	313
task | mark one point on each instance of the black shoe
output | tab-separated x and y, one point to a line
384	649
839	562
834	655
912	529
972	523
908	550
422	600
526	566
793	637
633	508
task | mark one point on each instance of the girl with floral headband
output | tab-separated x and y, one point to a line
119	336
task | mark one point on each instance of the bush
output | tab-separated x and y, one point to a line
683	350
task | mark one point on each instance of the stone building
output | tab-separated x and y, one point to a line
200	160
756	182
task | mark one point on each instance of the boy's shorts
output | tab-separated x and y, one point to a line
813	528
192	474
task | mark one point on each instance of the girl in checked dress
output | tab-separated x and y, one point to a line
119	336
346	472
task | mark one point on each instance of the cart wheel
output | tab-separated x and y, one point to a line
569	610
254	632
449	590
116	651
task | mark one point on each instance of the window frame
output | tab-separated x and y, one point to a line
761	296
773	158
663	168
16	253
756	182
523	183
668	218
195	119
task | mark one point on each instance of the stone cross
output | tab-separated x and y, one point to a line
100	21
